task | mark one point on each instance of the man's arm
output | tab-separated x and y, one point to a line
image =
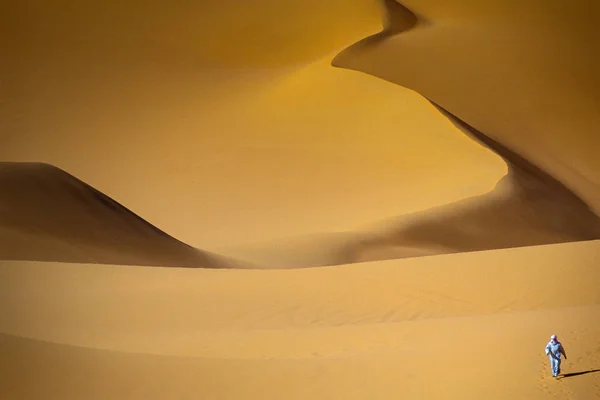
562	350
549	352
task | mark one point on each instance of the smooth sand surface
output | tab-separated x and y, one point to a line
443	176
468	325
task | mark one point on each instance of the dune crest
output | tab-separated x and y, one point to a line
529	206
47	214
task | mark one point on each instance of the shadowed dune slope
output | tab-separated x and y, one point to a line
527	207
47	214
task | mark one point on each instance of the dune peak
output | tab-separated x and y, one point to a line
46	214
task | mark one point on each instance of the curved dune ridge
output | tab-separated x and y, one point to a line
528	206
47	214
535	96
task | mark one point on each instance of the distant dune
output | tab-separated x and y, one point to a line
47	214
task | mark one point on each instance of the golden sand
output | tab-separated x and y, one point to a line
440	175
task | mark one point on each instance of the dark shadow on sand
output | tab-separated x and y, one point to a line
572	374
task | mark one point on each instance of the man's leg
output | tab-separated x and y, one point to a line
553	365
558	367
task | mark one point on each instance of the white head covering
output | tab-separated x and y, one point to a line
553	337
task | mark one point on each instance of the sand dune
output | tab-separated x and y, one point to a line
528	206
205	134
533	96
47	214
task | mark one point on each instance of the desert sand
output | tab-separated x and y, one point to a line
468	325
368	213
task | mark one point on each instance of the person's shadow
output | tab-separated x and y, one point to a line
579	373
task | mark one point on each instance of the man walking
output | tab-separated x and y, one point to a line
554	350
